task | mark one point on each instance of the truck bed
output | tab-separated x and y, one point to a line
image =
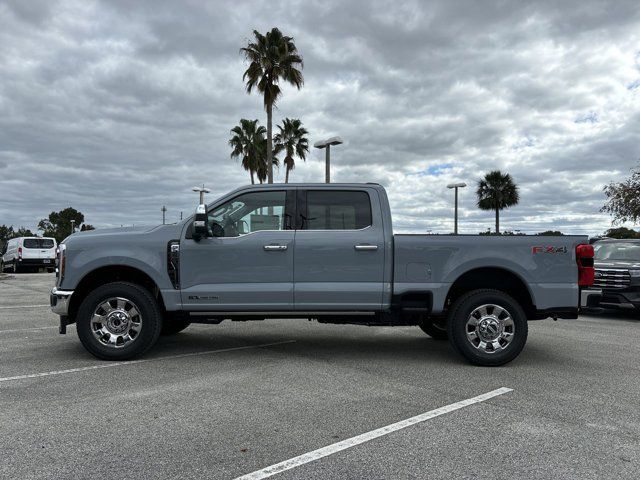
544	264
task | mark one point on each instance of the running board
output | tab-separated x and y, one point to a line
289	313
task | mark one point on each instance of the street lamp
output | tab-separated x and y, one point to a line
327	156
202	191
456	186
73	227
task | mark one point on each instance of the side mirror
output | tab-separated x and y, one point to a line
200	223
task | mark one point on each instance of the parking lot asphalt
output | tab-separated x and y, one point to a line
226	400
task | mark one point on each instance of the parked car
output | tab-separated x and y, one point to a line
324	252
29	254
617	273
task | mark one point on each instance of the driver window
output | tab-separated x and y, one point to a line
248	213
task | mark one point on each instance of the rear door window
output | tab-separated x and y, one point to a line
38	243
337	210
31	243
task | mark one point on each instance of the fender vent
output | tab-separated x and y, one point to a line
173	262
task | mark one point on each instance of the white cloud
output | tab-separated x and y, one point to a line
118	108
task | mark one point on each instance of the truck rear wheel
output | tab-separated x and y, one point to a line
436	328
487	327
118	321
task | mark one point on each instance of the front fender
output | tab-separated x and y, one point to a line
148	261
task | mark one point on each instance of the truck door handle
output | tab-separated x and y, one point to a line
275	248
365	247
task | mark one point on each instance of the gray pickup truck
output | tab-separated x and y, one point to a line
313	251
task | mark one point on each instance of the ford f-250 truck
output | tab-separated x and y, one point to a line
314	251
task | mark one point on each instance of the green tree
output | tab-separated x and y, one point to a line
622	232
87	226
272	57
246	144
548	233
497	191
23	232
623	199
291	139
6	232
58	224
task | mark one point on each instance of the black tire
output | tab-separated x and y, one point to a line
436	328
51	270
460	314
171	326
150	324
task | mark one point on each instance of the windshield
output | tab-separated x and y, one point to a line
38	243
617	251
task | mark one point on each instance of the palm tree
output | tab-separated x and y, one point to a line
262	172
272	57
497	191
246	144
292	140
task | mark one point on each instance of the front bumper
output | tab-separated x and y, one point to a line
627	299
590	298
59	301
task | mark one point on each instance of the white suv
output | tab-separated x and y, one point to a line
29	253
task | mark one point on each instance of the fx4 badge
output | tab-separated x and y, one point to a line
548	249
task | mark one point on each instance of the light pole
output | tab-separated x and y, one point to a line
73	227
164	211
456	186
202	191
326	144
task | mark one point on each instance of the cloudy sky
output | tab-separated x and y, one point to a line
119	107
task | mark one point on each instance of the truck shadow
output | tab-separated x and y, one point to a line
371	348
318	346
621	315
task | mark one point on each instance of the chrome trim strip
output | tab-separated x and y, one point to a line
585	294
289	312
62	301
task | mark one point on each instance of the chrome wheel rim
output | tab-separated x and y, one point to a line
116	322
490	328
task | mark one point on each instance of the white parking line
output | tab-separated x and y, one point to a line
132	362
365	437
25	306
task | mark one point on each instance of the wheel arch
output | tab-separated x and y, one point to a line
109	274
497	278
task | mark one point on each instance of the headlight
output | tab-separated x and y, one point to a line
60	261
634	273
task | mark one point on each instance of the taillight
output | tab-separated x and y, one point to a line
19	252
584	258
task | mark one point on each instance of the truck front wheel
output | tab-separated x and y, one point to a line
487	327
118	321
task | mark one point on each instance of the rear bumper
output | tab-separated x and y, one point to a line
39	262
59	301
